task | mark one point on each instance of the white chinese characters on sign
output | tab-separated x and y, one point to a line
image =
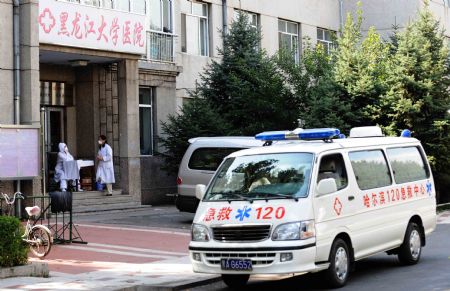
63	23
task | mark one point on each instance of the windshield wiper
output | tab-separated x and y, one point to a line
277	195
235	194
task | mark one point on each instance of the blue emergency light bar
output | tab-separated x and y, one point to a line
304	134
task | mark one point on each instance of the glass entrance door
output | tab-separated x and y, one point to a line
55	133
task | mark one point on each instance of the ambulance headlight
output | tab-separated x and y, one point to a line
199	232
294	231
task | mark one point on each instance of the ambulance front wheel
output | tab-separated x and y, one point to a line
339	270
235	281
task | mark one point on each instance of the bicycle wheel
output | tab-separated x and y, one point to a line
40	241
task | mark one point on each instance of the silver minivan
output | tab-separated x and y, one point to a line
201	160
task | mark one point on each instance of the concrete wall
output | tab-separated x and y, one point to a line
384	14
155	183
29	74
6	62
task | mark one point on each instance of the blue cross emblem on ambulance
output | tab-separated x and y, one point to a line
429	188
243	213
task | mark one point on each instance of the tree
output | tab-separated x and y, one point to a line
360	71
312	83
245	87
419	98
242	94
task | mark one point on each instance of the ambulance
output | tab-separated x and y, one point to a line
316	202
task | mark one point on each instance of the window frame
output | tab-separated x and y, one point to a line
292	35
162	19
327	44
422	157
191	13
152	119
343	163
389	172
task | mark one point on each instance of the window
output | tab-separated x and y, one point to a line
325	38
138	6
195	30
288	38
371	169
209	159
161	15
253	18
146	115
122	5
253	21
407	164
333	166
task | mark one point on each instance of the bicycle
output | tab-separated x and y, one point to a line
38	236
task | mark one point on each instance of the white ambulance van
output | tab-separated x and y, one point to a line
318	203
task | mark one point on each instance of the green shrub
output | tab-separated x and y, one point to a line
13	251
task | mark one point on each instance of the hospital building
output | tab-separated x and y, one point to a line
81	68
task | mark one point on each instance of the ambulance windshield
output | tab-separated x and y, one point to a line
268	176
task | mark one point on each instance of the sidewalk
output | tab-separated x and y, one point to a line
115	257
444	217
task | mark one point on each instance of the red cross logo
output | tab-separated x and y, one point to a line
47	20
337	206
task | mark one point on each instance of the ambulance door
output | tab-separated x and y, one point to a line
333	212
372	226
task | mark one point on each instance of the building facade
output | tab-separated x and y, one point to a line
121	67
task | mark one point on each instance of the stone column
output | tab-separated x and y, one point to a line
130	165
29	76
87	111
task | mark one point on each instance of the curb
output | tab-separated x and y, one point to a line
174	286
33	269
443	207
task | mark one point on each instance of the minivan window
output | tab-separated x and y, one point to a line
209	159
370	168
407	164
333	166
265	176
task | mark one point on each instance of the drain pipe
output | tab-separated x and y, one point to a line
16	53
224	17
341	14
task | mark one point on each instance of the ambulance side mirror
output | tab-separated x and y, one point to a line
200	190
326	186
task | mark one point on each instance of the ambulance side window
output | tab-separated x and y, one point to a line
370	168
333	166
408	164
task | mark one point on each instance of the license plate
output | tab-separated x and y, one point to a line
236	264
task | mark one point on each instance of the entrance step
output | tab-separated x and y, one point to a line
96	201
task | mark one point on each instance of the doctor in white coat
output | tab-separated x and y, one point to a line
105	169
63	156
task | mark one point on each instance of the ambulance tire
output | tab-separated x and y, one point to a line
338	272
235	282
411	249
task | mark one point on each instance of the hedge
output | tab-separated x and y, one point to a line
13	251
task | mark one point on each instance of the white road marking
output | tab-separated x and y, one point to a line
89	249
135	229
142	250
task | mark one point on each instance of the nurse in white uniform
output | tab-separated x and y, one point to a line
105	169
63	156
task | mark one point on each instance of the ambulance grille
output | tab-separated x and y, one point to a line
247	233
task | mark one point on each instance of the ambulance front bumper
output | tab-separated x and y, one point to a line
265	260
